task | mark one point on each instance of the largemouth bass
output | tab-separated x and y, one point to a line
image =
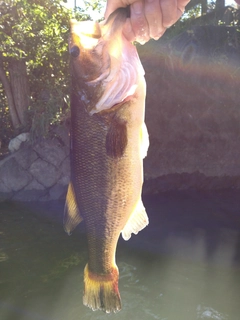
109	140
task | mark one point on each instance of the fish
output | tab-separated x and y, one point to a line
109	140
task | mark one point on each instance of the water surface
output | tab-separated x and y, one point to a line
184	266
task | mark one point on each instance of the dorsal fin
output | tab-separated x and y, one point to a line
72	215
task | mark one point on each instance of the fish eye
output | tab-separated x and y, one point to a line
75	51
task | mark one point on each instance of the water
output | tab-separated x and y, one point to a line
184	266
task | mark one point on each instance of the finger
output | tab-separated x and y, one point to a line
112	6
169	12
128	31
153	15
139	22
181	4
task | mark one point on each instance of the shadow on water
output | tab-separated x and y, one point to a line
184	266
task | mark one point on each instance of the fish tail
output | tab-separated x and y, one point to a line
101	291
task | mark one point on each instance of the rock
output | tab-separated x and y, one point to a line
29	195
186	181
58	192
34	185
45	173
25	156
63	135
51	151
13	176
65	170
4	196
5	192
4	187
16	142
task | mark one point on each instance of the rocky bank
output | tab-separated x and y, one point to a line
37	172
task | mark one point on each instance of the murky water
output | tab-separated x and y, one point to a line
184	266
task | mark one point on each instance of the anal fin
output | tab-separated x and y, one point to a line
72	215
137	221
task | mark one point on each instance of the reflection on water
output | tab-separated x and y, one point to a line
184	266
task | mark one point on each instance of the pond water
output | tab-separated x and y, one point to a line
184	266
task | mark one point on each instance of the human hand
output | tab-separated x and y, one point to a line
149	18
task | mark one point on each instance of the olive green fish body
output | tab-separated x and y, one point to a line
108	185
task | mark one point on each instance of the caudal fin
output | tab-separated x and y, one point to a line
101	291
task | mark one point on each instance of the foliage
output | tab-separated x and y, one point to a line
191	14
193	17
94	8
37	31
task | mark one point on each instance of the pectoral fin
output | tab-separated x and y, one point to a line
144	140
137	221
116	139
72	215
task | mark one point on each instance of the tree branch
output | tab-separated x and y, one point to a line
7	87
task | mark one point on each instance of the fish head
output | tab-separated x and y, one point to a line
85	51
105	66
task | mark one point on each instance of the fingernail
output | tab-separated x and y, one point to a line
157	37
141	41
137	7
160	33
168	24
181	10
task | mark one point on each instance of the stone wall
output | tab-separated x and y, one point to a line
37	172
